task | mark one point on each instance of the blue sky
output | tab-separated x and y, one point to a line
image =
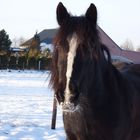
119	19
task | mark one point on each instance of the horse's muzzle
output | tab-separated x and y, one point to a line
68	107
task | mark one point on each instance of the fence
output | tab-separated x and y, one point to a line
24	63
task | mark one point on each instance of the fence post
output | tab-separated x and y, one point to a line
39	65
54	113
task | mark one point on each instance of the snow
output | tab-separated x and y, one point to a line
26	107
45	46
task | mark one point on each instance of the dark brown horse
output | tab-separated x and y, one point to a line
98	101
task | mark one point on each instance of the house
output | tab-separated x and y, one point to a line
46	36
116	51
18	52
132	55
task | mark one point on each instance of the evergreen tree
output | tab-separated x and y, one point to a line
5	42
34	48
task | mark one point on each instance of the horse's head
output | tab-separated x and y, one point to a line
76	45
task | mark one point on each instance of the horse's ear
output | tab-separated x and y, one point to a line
62	14
91	13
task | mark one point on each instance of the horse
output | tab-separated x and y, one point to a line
99	101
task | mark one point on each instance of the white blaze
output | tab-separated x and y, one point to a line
70	61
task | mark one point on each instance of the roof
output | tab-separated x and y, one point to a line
132	55
18	49
106	40
47	36
116	50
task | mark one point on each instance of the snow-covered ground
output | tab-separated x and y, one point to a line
26	107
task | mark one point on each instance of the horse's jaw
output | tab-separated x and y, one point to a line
69	107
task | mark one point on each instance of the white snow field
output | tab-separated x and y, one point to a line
26	107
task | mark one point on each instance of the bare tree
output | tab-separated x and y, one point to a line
16	42
127	45
21	40
138	49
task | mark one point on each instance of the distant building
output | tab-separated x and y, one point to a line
18	52
46	36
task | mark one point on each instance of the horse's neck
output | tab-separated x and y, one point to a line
109	77
99	77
